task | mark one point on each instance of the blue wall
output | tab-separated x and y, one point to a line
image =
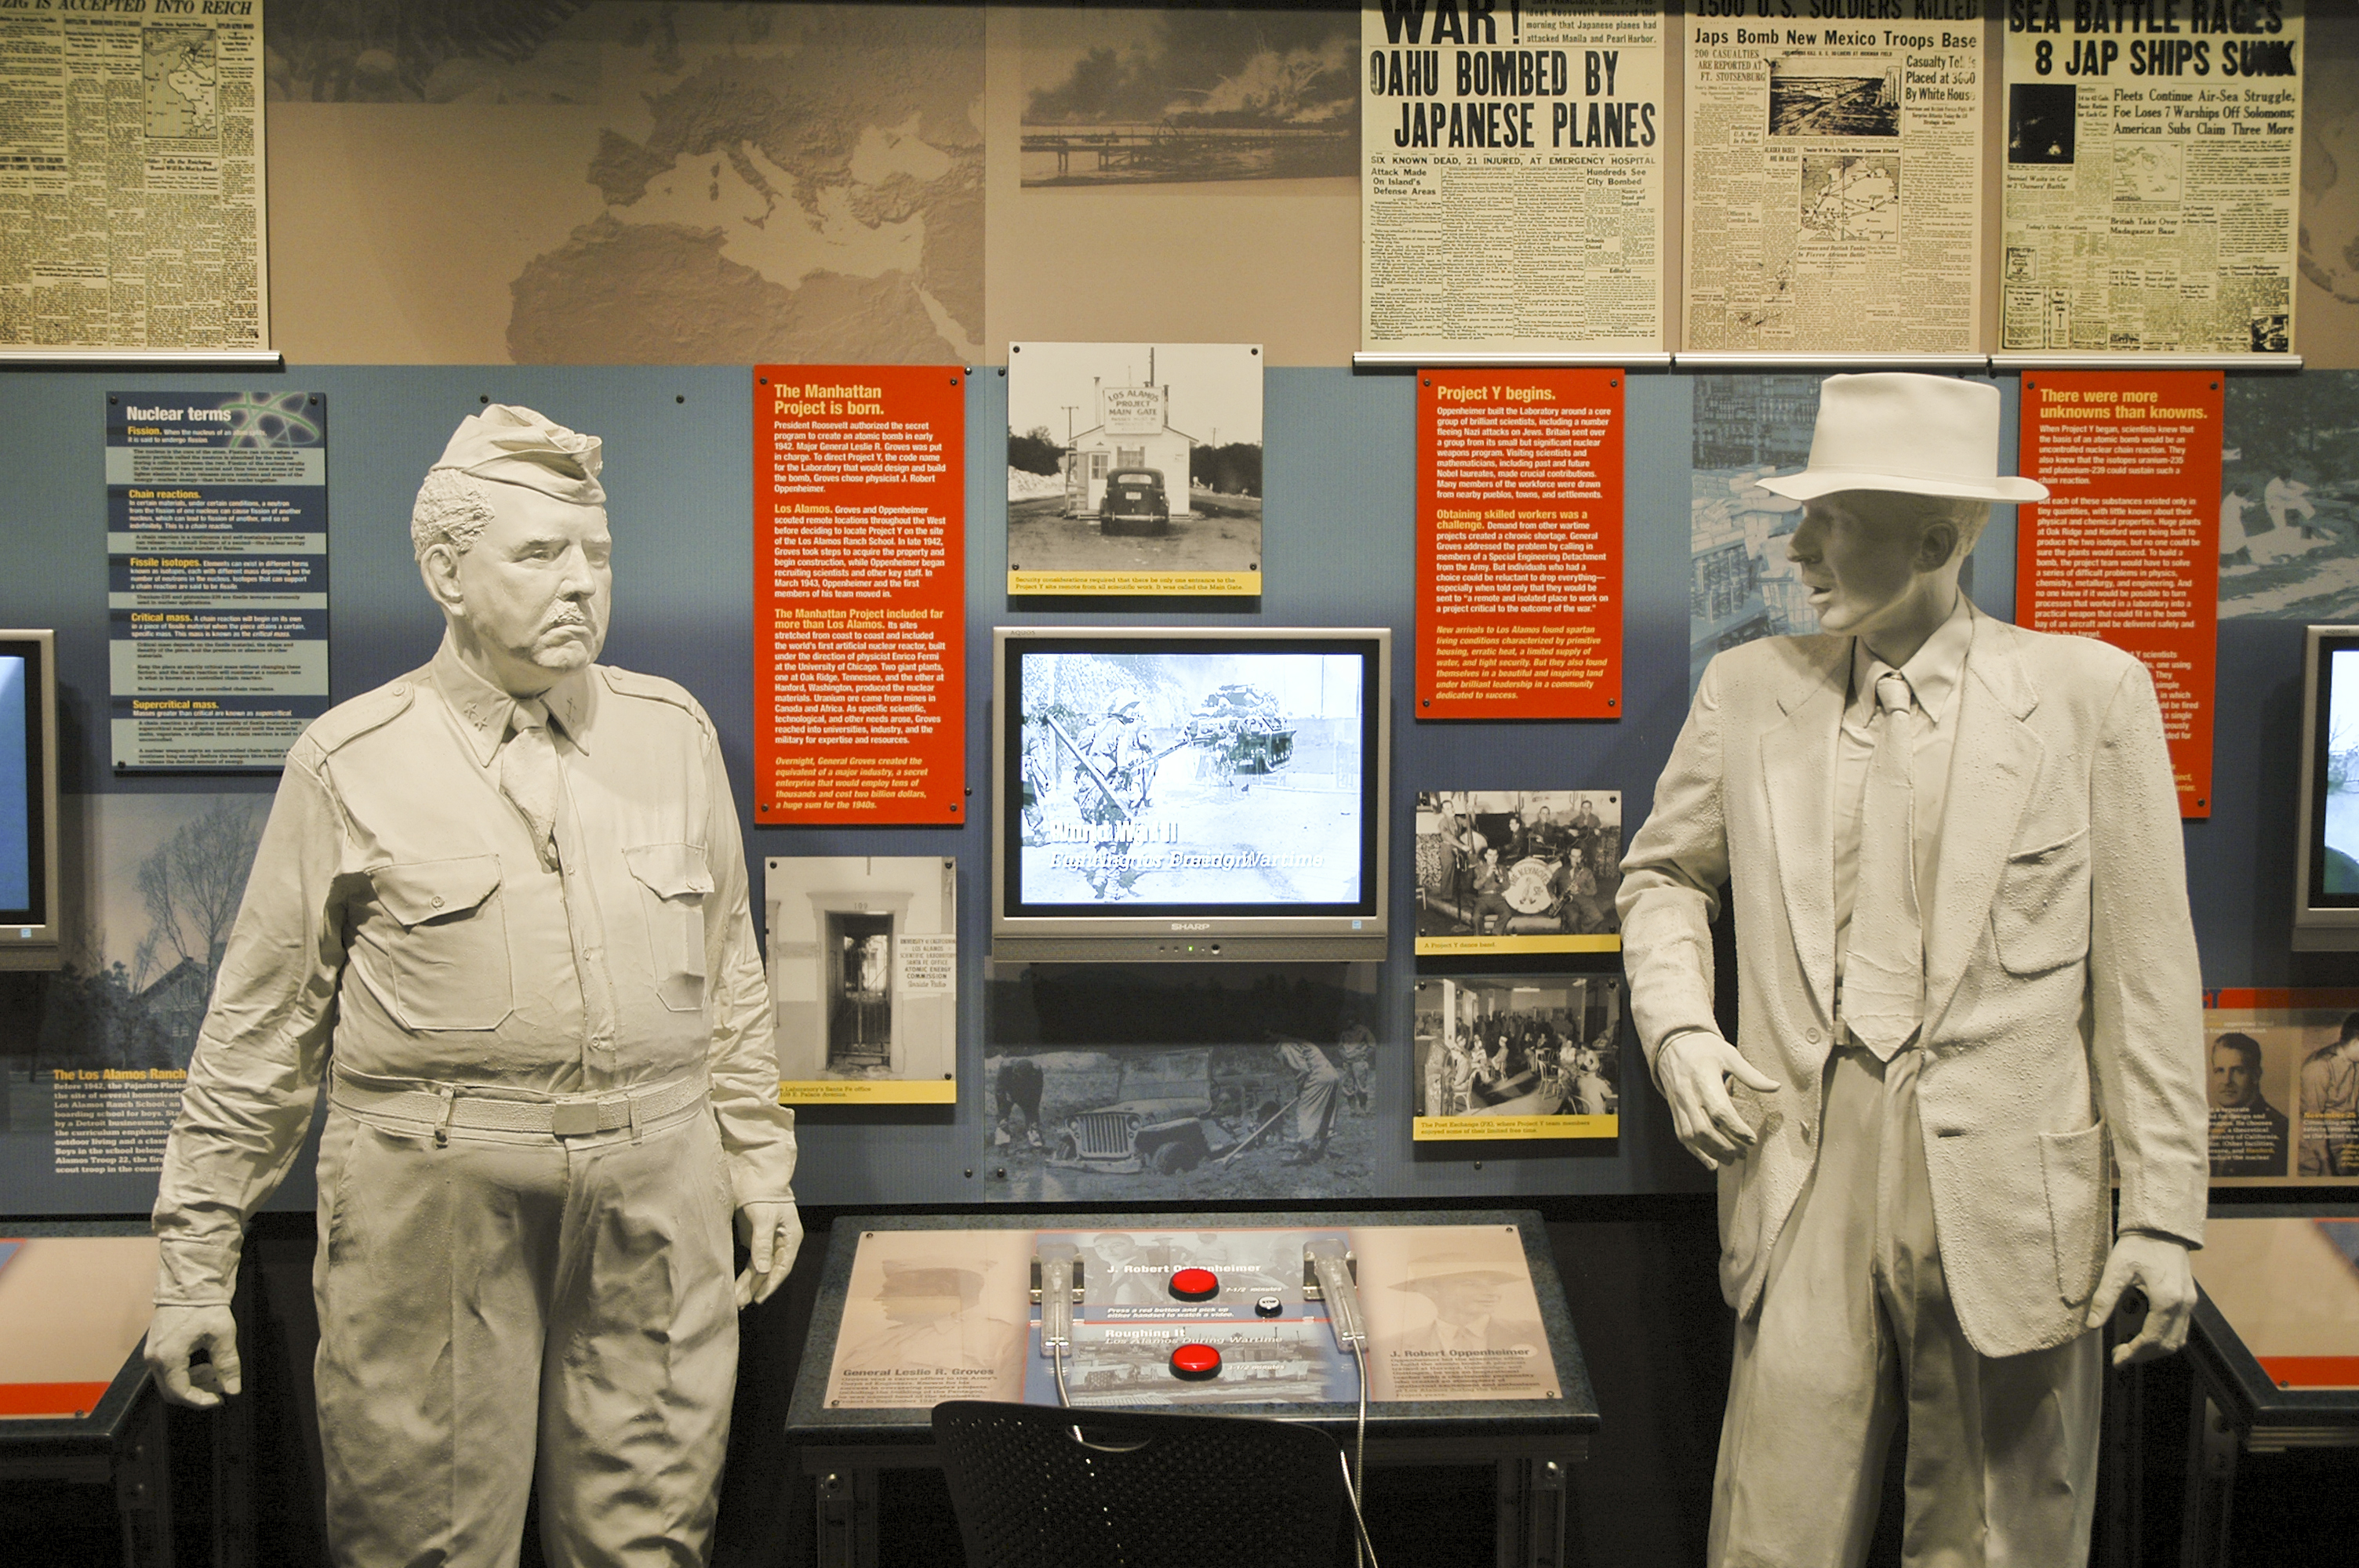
1338	549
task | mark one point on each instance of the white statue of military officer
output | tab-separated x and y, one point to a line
1967	986
500	910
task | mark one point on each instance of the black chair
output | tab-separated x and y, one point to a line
1138	1490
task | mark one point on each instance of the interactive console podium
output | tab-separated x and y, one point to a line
1470	1354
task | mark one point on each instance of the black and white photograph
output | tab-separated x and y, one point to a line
1133	468
2042	117
1519	871
2283	1089
864	976
142	952
2326	1097
1516	1051
1176	778
1146	97
1280	1118
1175	1083
94	1052
1810	95
1742	584
2253	1074
2289	500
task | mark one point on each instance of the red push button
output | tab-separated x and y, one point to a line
1195	1285
1194	1363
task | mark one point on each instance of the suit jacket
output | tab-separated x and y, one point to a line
2063	996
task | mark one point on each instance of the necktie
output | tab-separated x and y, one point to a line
1883	977
529	777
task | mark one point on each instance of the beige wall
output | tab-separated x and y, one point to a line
395	229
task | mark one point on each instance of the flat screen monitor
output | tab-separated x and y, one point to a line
1192	795
29	800
2326	856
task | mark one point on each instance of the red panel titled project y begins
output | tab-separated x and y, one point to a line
1519	544
859	594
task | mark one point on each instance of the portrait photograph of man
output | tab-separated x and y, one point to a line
2249	1133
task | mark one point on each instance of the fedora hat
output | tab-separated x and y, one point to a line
1922	435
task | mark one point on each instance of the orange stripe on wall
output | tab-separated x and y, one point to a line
2241	999
2313	1371
50	1398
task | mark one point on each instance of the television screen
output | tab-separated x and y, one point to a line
29	801
2326	855
1201	776
2334	869
19	789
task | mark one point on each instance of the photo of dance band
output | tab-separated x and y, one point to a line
1519	871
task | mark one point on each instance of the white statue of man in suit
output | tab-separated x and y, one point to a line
1966	974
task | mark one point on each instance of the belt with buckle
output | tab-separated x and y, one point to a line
468	1106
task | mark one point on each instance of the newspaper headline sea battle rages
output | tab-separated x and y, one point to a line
1512	176
2153	165
1834	176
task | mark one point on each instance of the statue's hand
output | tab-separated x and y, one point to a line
175	1335
772	1233
1693	1070
2158	1266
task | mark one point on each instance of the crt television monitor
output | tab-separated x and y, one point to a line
29	801
1193	796
2326	855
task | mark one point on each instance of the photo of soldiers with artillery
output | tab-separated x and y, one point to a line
1519	871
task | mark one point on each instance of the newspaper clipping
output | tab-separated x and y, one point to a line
1834	178
2153	160
1512	189
131	174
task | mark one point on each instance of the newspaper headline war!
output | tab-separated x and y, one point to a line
1494	94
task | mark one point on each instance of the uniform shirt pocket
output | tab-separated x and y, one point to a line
2041	918
449	959
674	880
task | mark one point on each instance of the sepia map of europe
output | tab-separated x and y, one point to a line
769	183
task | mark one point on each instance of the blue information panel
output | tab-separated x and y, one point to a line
217	575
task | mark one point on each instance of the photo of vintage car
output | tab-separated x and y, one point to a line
1134	503
1171	1111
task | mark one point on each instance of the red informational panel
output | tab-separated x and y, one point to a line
2127	546
1519	544
859	594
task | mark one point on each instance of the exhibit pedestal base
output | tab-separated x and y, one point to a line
1531	1489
